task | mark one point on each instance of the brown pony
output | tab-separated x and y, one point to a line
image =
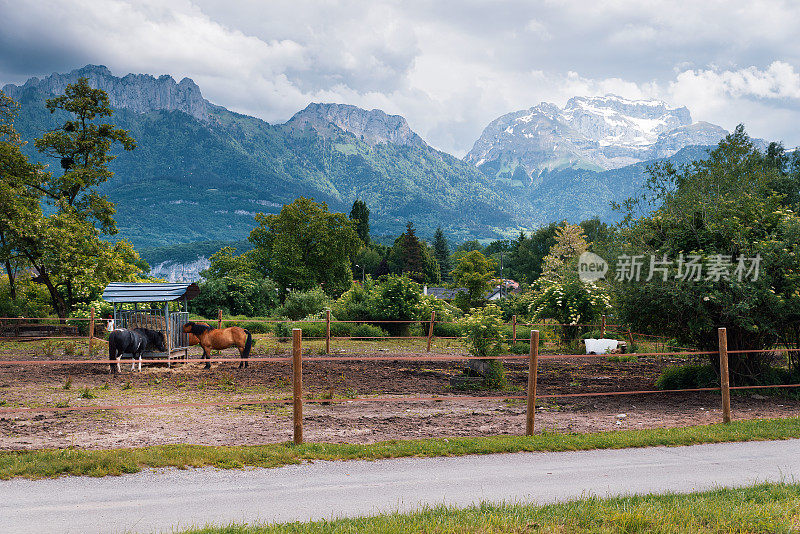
221	338
191	339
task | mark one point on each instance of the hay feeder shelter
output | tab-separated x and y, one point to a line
148	306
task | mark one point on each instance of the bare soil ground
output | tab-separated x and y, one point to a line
352	421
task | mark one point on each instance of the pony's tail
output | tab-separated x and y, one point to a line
247	345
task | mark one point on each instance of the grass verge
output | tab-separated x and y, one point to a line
761	508
96	463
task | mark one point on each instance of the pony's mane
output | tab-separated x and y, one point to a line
197	328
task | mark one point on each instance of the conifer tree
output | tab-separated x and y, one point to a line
441	251
360	214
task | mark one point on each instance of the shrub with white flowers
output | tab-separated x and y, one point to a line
483	334
569	302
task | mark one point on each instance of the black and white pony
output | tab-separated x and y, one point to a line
134	342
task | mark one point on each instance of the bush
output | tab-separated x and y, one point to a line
367	330
311	329
483	331
235	295
688	377
483	335
255	327
448	329
341	329
300	304
520	347
496	377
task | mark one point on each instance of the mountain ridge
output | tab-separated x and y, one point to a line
201	172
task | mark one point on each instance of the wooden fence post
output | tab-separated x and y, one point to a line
297	383
603	327
533	363
219	318
514	329
430	330
725	386
91	329
327	331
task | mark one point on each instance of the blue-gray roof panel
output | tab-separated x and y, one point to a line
148	292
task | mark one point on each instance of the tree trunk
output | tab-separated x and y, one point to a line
12	288
11	285
56	299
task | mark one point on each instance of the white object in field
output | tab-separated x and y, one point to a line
600	346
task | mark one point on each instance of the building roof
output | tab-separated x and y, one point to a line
444	293
149	292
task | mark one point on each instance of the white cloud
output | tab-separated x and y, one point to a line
448	67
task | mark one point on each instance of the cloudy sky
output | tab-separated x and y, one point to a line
449	67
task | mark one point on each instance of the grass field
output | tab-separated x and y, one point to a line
762	508
76	462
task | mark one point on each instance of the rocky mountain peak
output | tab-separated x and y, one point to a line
596	133
138	92
373	127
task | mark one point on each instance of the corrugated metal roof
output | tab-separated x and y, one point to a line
148	292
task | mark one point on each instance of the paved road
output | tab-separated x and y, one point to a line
159	501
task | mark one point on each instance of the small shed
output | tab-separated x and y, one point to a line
151	309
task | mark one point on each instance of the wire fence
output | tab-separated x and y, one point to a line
297	360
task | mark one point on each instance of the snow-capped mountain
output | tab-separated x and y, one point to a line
596	133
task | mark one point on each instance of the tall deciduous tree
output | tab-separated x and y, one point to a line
475	273
19	205
562	260
307	246
722	209
65	248
525	260
360	215
84	148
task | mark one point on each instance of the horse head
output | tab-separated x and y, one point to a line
195	328
157	339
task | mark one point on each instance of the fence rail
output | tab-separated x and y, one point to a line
298	398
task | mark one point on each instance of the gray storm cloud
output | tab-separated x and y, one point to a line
448	67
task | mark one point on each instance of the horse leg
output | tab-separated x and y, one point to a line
207	356
112	355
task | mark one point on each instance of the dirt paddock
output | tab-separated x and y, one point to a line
353	421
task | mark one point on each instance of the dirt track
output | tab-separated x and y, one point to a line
352	421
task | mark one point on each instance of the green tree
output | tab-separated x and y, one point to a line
84	148
302	304
441	251
398	299
561	262
234	285
64	248
475	273
525	260
19	204
469	246
725	207
411	256
307	246
360	215
559	293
